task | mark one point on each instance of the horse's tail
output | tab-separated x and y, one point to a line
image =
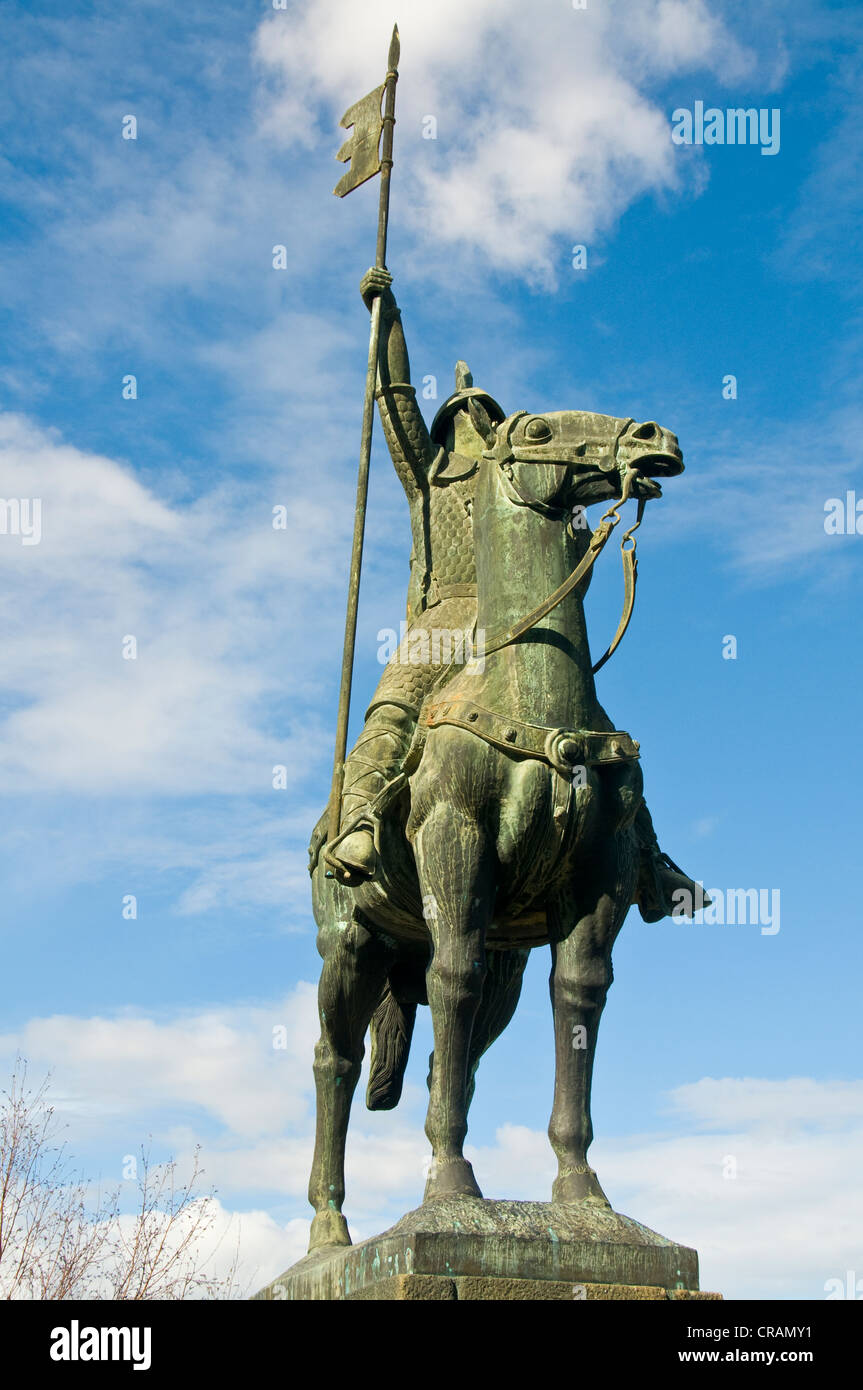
391	1028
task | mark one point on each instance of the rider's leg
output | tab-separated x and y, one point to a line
374	761
410	674
659	878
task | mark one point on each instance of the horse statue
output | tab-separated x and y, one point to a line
509	826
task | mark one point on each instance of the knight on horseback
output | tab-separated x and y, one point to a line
437	468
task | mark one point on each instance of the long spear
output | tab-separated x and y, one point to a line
362	151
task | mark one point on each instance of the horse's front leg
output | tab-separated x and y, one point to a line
457	881
353	978
584	923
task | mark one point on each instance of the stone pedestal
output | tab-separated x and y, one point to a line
467	1248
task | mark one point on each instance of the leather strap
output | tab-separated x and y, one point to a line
630	576
457	590
588	560
595	547
436	593
563	749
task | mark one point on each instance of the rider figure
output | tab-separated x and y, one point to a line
437	469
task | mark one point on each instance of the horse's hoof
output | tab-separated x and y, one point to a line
451	1177
579	1186
328	1228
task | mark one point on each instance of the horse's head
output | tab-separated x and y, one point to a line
597	452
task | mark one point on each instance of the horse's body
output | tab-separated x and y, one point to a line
512	828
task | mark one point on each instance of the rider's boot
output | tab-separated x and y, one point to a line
662	885
376	759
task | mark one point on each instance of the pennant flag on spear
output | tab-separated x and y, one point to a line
368	156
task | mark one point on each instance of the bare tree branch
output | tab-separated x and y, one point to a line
56	1242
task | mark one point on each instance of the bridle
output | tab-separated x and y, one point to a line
503	455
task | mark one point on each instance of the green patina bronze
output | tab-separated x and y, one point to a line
495	805
490	805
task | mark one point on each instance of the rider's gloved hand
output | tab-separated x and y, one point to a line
375	282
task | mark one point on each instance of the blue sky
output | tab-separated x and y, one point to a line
154	777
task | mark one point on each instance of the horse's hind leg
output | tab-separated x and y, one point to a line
353	979
500	995
584	923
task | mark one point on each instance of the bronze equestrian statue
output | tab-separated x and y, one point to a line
437	469
488	807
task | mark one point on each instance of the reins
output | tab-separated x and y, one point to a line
630	578
596	545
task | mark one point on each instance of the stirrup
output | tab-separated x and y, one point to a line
662	901
344	872
366	818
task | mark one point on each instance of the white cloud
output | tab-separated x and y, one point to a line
266	1247
202	587
546	126
220	1064
795	1105
787	1221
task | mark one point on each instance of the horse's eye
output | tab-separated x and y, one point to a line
537	430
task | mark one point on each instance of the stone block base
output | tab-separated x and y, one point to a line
434	1288
466	1248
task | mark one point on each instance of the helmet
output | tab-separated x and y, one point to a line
464	390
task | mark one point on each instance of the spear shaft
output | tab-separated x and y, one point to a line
365	451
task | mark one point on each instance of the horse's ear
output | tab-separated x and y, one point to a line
482	421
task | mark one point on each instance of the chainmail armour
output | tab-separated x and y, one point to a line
441	524
442	557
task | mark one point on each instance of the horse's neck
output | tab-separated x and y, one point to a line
545	676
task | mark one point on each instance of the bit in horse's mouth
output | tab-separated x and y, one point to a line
664	465
590	478
647	487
